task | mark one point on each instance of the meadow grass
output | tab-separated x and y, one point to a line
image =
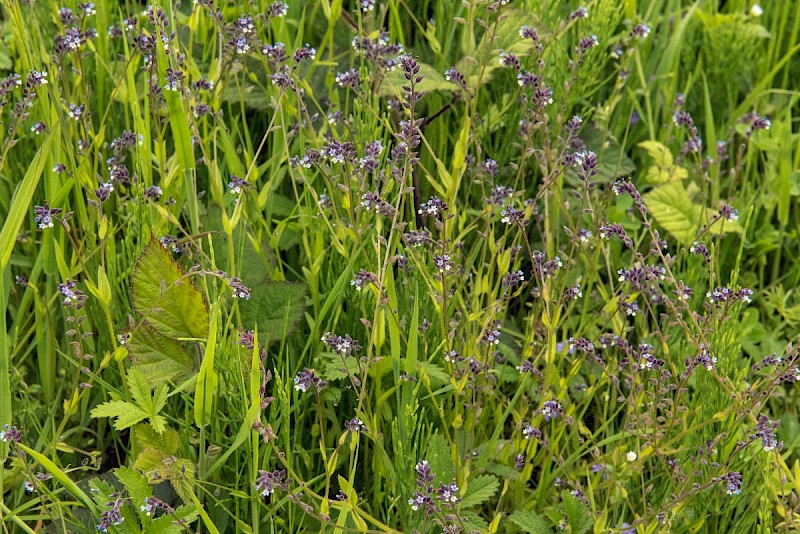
399	266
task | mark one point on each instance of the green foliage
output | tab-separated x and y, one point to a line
349	290
144	405
163	295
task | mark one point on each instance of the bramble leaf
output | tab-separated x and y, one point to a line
165	297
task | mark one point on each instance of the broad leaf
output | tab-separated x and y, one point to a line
140	390
439	458
136	483
480	490
275	307
663	169
144	437
577	514
159	358
165	297
530	522
126	414
673	209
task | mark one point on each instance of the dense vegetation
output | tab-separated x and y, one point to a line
400	266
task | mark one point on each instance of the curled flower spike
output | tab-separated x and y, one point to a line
268	481
307	379
43	215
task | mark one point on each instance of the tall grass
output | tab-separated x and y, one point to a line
399	266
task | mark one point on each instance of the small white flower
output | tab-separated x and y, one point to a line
631	456
756	11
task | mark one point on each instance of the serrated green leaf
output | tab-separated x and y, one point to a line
439	458
159	398
126	414
662	157
435	373
673	209
136	483
270	305
474	521
530	522
158	357
663	169
144	437
577	514
140	390
165	298
480	489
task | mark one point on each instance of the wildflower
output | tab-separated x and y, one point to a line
683	292
513	278
173	79
246	339
509	59
728	212
276	53
529	431
627	529
424	474
354	425
631	456
578	14
573	292
416	238
153	193
492	337
306	379
277	9
765	431
366	5
640	31
442	263
267	481
70	293
39	128
236	184
347	79
452	75
433	207
527	79
153	504
734	482
551	410
363	278
112	516
240	291
10	434
43	215
510	215
527	32
630	308
418	500
75	111
103	193
59	168
519	461
448	493
756	11
305	53
341	345
586	43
